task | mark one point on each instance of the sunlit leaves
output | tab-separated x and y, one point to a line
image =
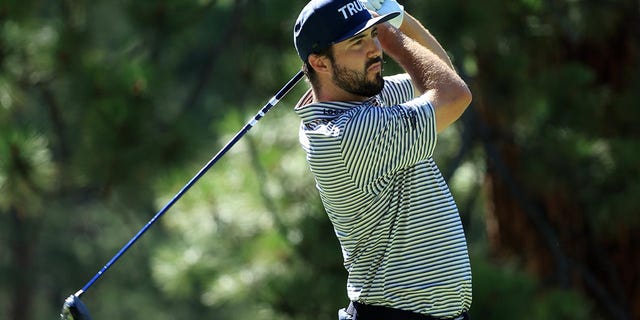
26	171
233	232
30	55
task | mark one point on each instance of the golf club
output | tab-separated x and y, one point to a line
73	308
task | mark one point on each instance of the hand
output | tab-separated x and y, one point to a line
372	5
382	7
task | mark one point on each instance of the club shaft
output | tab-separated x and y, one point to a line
274	100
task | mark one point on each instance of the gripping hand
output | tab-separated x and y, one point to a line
382	7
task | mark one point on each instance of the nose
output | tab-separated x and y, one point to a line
374	48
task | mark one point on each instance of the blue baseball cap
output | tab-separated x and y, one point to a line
322	23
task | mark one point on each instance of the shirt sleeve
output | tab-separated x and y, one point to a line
379	141
397	89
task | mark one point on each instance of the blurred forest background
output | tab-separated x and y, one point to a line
108	107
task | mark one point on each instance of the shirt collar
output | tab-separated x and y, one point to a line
309	110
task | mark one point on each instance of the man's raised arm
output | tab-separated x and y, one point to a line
424	59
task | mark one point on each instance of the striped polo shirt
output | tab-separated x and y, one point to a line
401	236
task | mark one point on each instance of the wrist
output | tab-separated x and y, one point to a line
391	39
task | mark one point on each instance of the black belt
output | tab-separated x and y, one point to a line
371	312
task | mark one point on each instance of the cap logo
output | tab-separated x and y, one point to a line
322	23
350	9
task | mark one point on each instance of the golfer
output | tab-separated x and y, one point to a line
369	142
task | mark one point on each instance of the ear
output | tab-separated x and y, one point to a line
320	64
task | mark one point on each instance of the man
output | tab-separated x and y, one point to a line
369	142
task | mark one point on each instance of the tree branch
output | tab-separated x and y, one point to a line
212	56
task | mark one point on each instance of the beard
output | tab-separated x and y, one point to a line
356	82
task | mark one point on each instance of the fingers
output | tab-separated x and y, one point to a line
372	5
389	6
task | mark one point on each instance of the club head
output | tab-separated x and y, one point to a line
74	309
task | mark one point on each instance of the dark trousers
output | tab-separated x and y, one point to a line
361	311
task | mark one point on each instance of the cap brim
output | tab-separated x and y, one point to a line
370	23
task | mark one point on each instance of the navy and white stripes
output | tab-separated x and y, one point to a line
397	223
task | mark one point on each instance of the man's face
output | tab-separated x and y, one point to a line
357	64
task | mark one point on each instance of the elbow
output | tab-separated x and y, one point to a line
468	97
461	97
451	105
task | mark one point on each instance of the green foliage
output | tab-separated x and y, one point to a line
108	107
500	292
26	170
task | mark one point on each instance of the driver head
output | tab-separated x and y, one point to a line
74	309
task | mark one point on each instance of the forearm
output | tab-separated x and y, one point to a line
430	73
429	69
416	31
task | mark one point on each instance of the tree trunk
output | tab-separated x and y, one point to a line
547	228
21	245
